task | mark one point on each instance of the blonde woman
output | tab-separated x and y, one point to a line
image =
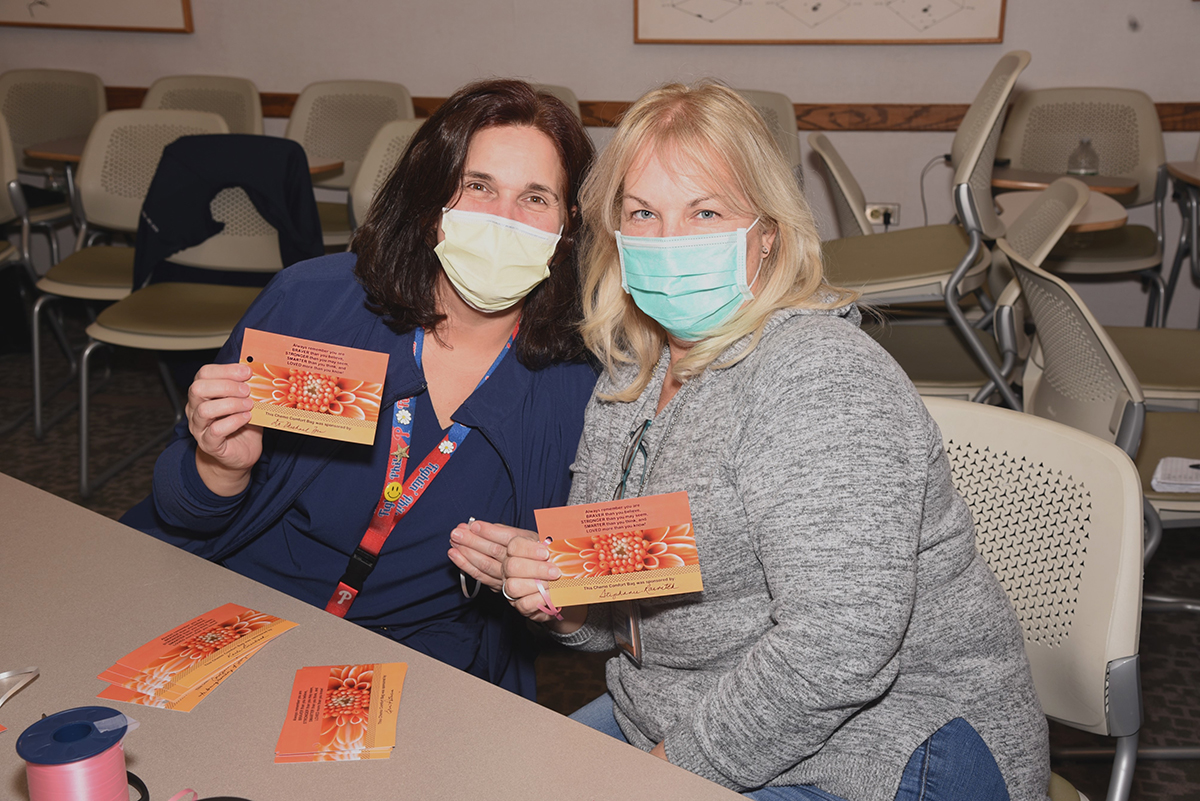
849	641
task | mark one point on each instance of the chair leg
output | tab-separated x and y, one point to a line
86	486
1182	249
1124	761
41	425
1157	299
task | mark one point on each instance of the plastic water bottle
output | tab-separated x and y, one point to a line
1083	160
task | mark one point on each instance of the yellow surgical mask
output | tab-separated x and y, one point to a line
491	261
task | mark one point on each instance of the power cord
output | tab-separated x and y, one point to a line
945	157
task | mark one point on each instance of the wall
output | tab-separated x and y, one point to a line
433	46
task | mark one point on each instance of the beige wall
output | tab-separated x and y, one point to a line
433	46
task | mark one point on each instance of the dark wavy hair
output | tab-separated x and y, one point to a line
394	246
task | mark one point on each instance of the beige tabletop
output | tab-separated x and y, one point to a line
1009	178
1101	213
80	591
1186	171
70	150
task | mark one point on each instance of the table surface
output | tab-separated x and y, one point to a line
80	591
70	150
1101	213
1009	178
1186	171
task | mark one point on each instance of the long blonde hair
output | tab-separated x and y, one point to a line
709	128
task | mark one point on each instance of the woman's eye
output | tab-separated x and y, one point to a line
475	186
643	214
707	214
537	199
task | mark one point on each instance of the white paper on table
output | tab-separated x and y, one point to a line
1175	474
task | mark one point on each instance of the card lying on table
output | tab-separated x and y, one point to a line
342	712
314	388
621	550
184	659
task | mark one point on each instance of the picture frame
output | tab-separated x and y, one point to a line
819	21
154	16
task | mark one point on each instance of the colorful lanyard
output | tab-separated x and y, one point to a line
398	495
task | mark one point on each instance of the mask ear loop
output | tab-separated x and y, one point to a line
745	283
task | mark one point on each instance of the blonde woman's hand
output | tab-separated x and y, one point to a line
525	564
218	413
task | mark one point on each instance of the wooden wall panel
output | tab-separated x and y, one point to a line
809	116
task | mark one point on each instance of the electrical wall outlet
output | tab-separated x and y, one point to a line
875	213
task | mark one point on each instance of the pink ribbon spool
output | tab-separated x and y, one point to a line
76	755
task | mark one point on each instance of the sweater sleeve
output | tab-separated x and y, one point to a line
831	469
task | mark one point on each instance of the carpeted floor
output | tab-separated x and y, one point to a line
132	405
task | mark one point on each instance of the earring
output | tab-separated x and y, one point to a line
765	250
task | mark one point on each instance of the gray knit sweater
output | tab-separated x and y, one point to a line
846	614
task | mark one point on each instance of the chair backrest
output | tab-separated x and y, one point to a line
8	173
973	151
235	99
46	105
338	120
248	243
849	203
1058	519
386	149
1075	374
563	93
121	156
1045	126
780	115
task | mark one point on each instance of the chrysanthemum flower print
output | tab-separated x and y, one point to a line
346	711
625	552
294	388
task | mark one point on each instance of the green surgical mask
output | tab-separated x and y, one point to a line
689	285
492	261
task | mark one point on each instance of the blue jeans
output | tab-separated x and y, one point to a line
954	764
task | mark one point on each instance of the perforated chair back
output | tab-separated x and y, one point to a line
1045	126
386	149
235	99
1075	375
973	151
780	115
1035	232
563	93
121	156
849	203
46	105
247	243
1058	519
338	119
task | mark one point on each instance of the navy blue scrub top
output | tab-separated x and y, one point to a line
414	591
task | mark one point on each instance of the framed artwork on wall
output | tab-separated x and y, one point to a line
166	16
818	21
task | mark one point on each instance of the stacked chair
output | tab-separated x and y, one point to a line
1045	126
338	120
943	262
45	105
1058	519
235	99
114	174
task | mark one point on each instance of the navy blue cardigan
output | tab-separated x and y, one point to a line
525	429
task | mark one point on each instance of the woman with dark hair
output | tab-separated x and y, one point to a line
464	272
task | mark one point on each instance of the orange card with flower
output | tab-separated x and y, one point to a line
621	550
342	712
187	655
187	702
314	388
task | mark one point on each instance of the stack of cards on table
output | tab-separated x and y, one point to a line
180	668
1174	474
342	712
